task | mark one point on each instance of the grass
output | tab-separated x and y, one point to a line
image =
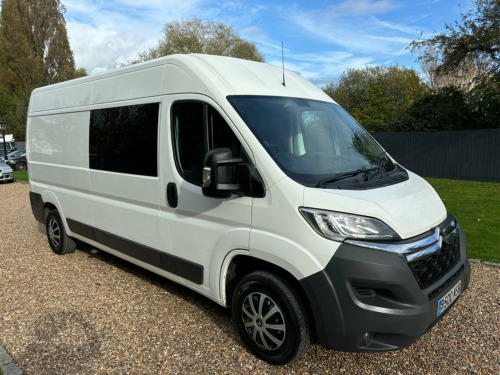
21	176
476	206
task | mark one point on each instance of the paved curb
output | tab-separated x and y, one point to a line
7	365
491	264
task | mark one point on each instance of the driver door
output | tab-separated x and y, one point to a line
202	230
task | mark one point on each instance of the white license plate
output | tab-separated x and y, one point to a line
449	297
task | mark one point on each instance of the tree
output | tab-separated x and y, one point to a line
462	78
7	105
484	100
473	43
376	96
443	109
467	57
34	44
197	36
80	72
35	50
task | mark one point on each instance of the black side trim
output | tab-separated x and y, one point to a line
81	229
37	206
170	263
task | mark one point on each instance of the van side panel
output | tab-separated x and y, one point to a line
58	159
126	206
61	139
178	80
64	97
140	84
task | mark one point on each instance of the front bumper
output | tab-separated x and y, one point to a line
370	300
7	176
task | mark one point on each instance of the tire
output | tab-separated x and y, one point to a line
59	241
20	166
262	299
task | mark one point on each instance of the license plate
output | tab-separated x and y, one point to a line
449	297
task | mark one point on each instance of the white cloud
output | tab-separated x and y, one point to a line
404	28
100	48
322	68
359	7
104	34
364	35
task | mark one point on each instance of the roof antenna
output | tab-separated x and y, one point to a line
283	59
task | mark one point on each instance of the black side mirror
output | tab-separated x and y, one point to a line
221	174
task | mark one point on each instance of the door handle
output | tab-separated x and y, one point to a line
172	198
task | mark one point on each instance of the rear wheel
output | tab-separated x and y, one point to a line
59	241
271	317
20	166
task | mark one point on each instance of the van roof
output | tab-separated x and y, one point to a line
214	76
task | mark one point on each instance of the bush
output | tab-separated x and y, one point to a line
445	109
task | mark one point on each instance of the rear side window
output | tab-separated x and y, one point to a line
124	139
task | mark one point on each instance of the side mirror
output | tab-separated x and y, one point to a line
221	174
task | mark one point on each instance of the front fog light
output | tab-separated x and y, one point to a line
339	226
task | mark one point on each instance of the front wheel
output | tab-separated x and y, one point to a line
271	317
59	241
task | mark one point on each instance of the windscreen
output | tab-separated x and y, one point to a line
310	140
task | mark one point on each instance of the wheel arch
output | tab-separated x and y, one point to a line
243	264
50	202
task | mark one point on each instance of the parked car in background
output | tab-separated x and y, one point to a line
6	173
16	153
18	163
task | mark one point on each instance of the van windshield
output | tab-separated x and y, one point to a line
312	141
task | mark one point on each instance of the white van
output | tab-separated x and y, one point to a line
263	195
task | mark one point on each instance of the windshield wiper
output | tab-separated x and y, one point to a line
381	166
341	176
384	161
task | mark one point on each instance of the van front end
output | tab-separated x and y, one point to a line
396	259
378	296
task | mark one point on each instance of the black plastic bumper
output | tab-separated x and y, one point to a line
369	300
37	206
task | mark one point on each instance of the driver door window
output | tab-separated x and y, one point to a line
198	128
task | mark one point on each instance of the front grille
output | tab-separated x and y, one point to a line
363	292
429	269
451	280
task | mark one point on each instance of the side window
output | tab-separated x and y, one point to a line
124	139
197	128
189	141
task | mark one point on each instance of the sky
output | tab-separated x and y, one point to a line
321	38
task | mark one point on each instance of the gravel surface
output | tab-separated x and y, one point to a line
86	313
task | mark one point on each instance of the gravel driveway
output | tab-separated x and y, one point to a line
87	313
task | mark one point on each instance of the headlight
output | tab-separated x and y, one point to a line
8	170
338	226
